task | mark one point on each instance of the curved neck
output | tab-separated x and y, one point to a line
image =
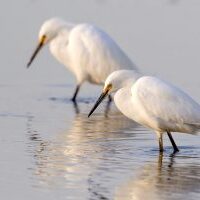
122	99
129	81
58	45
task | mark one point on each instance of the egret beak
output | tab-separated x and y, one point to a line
101	98
39	46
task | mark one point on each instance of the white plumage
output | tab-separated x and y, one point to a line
88	52
153	103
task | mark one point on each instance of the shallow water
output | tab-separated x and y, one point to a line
54	152
49	149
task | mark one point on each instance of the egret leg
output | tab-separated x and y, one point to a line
75	93
172	141
160	140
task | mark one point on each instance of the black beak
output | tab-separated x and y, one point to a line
39	46
100	99
35	53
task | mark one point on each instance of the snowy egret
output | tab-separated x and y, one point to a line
84	49
153	103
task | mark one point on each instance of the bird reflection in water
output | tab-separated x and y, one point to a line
73	156
163	180
94	159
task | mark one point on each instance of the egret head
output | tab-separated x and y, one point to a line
48	31
115	81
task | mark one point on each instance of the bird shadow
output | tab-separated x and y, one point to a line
68	100
84	101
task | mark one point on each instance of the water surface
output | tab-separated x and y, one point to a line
55	151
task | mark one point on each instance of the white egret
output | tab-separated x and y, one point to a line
153	103
88	52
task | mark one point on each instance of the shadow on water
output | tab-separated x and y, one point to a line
80	101
106	112
68	100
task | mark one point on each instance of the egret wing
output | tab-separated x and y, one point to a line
166	103
97	53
